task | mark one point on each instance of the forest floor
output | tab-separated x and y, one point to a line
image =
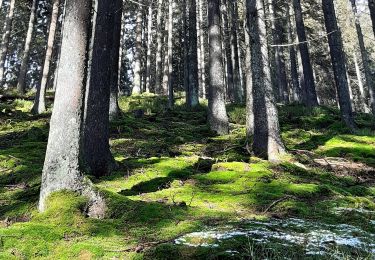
181	192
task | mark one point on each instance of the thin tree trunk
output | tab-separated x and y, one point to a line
267	141
193	56
309	92
137	85
217	114
62	167
168	66
249	83
5	41
186	51
362	93
202	49
371	5
40	103
227	50
293	60
159	42
237	88
365	58
26	52
338	63
149	48
114	109
281	77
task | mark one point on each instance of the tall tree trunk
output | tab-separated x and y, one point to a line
168	66
97	156
117	14
227	50
5	41
168	49
217	114
338	62
137	85
40	103
149	48
371	5
159	47
293	60
193	56
365	58
26	52
237	87
309	92
186	51
362	93
281	78
249	83
62	167
202	49
267	141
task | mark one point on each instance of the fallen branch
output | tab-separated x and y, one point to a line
277	202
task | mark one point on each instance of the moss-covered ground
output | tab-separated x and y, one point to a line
174	176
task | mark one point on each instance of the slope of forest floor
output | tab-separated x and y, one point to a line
175	177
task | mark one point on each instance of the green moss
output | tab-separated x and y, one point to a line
175	176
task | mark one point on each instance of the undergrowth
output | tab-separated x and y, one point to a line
175	176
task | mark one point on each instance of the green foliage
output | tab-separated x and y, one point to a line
176	177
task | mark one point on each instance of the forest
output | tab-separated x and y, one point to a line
187	129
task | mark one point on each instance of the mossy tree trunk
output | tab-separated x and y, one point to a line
62	169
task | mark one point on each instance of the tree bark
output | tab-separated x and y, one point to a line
365	58
167	73
249	83
371	5
40	103
237	87
296	91
309	92
267	141
149	48
62	167
186	50
227	50
202	50
97	156
26	52
114	109
281	77
217	114
338	62
362	93
193	89
159	42
5	41
137	85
